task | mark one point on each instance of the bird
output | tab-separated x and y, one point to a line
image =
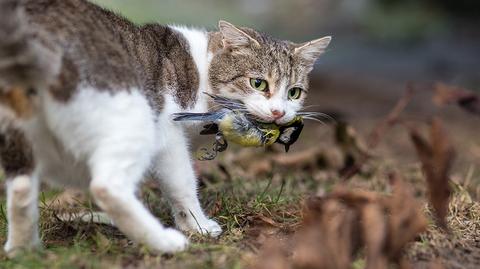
232	123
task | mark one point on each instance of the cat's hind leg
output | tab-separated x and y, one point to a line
22	214
22	190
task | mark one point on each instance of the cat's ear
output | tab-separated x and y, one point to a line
235	38
309	52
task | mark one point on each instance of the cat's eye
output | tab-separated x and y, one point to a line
294	93
259	84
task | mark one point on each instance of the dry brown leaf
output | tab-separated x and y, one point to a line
374	230
267	220
337	225
436	158
447	94
391	119
354	149
274	255
325	241
406	219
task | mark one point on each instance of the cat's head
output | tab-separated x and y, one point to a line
269	76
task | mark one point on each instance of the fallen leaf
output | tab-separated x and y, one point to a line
374	230
325	241
446	94
391	119
354	149
436	157
406	219
337	225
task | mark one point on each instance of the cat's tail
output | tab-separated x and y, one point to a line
28	60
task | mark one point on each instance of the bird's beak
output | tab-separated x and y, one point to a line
287	147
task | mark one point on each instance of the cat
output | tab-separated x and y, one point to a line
86	99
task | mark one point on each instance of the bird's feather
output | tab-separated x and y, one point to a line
231	104
206	117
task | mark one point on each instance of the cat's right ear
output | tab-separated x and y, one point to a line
309	52
235	38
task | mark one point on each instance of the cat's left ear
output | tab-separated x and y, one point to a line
309	52
235	38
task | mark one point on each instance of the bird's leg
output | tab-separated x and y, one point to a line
206	155
220	142
219	145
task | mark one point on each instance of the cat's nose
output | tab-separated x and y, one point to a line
277	114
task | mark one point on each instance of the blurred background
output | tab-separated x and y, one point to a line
382	39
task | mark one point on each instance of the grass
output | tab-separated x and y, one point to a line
236	204
249	211
252	208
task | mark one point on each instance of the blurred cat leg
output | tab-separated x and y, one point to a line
22	185
22	213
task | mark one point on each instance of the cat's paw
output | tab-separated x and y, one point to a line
211	228
13	250
202	226
171	241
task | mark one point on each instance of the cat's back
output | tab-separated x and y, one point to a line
96	43
69	18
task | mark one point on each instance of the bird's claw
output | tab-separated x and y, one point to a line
206	155
220	143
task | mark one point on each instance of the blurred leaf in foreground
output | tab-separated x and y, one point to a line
337	226
436	157
446	94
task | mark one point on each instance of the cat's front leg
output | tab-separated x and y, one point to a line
174	170
22	211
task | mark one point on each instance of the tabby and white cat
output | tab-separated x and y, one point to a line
87	99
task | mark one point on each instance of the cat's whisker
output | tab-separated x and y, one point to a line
315	119
317	115
310	106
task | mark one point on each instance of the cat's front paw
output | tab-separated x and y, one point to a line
202	226
211	228
170	241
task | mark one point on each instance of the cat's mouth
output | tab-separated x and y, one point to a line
258	115
261	118
268	119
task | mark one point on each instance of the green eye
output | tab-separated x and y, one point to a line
294	93
258	84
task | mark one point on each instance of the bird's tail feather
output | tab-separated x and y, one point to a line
206	117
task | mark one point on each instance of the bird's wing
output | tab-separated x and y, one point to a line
214	116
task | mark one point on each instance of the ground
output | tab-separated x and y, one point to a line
257	195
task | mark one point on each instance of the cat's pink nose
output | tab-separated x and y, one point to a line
277	114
